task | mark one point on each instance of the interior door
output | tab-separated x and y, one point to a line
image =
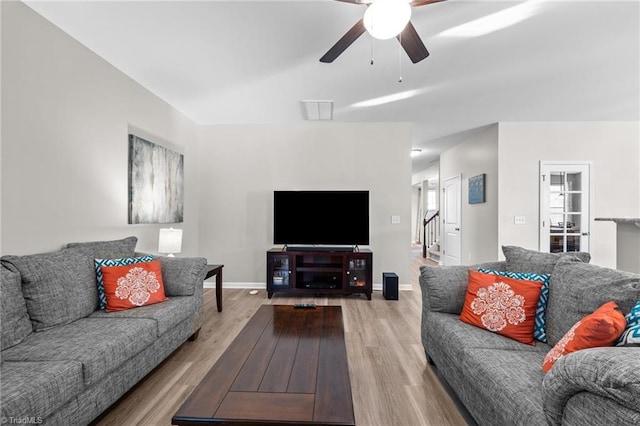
564	206
451	215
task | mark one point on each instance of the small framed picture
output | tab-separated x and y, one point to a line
476	189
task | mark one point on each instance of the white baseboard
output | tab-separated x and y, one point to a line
263	286
401	287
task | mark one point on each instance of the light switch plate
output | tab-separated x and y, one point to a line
519	220
395	219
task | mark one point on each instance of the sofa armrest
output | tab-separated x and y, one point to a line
611	372
183	276
444	287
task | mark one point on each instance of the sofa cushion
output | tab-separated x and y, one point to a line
458	338
509	383
577	289
631	334
482	366
601	328
182	275
444	287
99	344
58	287
519	259
502	305
14	318
38	389
166	315
113	262
108	249
539	331
132	286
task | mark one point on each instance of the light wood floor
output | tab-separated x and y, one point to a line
390	379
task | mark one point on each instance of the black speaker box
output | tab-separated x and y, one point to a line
390	285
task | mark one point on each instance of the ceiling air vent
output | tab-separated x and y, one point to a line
317	110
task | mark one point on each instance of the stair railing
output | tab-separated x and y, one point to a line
430	231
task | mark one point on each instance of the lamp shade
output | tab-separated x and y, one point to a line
385	19
170	241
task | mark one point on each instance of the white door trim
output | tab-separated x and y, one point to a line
451	255
589	164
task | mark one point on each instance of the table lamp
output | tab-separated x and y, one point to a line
170	241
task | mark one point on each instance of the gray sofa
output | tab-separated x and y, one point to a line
500	381
63	360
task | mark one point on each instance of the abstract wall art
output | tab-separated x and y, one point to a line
156	183
476	189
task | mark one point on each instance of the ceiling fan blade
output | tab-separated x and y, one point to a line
411	43
420	2
341	45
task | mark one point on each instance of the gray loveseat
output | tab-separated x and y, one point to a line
500	381
64	361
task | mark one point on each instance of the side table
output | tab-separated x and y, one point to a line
217	271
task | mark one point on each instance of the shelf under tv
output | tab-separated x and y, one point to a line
337	249
320	286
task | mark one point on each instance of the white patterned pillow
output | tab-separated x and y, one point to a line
631	334
539	331
114	262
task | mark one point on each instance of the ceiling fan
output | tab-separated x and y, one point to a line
408	37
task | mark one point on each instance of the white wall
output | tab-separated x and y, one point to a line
1	128
476	155
66	114
241	166
431	172
612	146
65	161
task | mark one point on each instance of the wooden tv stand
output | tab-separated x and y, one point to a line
319	272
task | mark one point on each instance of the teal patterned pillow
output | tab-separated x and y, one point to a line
114	262
631	335
539	331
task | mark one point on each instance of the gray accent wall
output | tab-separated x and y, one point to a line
613	148
241	166
510	154
66	114
477	154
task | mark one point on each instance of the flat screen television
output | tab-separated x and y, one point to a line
311	218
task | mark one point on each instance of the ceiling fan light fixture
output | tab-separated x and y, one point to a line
385	19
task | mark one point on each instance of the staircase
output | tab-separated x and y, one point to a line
433	252
431	235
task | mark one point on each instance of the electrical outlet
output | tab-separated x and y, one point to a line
519	220
395	219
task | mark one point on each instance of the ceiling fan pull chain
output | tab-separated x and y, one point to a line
371	50
400	57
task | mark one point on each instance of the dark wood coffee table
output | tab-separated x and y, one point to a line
287	366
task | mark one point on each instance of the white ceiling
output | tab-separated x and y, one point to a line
239	62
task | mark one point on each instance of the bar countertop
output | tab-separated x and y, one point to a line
633	220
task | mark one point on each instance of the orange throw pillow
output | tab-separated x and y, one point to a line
603	327
502	305
130	286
